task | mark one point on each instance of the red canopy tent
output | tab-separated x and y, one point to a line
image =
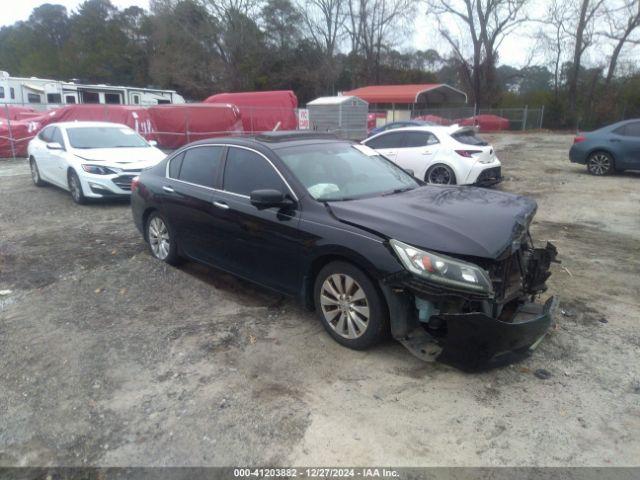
177	125
263	111
429	93
485	122
14	112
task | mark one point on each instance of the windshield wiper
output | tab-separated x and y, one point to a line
398	190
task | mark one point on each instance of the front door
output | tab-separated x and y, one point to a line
261	245
630	145
58	159
418	152
387	144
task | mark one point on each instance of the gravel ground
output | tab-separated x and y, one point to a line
110	358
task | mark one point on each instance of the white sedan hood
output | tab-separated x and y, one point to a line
128	158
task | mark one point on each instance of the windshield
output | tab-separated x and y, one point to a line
342	171
104	137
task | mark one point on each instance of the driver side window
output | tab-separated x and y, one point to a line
56	137
246	171
45	134
389	140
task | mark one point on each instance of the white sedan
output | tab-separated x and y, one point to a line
90	159
442	155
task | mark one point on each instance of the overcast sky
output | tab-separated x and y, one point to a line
514	51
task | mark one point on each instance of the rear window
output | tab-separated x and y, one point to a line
469	138
200	166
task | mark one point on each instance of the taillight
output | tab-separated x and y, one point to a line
135	183
467	153
579	139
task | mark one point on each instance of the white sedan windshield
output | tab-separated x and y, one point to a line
104	137
342	171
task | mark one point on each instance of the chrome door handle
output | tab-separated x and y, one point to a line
168	189
427	153
221	205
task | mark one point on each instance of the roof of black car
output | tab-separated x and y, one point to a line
276	140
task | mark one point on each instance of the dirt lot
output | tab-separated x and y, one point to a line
108	357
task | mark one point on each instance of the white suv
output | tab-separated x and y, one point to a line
442	155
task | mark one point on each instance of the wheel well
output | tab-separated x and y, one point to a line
318	264
431	167
69	170
145	217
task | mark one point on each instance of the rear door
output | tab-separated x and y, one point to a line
187	199
630	145
418	150
261	245
387	143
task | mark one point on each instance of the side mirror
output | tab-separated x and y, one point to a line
268	198
153	143
410	172
54	146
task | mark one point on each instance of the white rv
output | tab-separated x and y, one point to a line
42	93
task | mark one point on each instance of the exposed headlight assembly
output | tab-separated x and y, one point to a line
98	169
443	270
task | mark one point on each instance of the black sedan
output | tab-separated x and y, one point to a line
449	271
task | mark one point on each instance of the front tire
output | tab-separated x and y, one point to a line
440	174
161	239
35	173
349	306
75	188
600	164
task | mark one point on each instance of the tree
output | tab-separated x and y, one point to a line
623	21
183	54
582	34
371	26
325	20
484	25
554	38
281	22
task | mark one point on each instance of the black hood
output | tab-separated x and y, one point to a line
455	220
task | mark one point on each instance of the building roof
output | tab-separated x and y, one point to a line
413	93
332	100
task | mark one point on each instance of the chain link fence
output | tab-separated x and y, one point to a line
171	126
487	119
178	124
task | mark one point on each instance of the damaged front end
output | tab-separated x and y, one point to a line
470	314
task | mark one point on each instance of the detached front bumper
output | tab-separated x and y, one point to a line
475	340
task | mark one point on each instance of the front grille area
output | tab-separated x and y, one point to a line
490	175
124	181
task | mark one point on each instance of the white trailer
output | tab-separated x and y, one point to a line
42	93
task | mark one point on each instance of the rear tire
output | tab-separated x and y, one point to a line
600	164
161	239
35	173
440	174
349	306
75	188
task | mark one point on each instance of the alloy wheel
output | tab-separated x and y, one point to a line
599	164
344	305
441	175
159	238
